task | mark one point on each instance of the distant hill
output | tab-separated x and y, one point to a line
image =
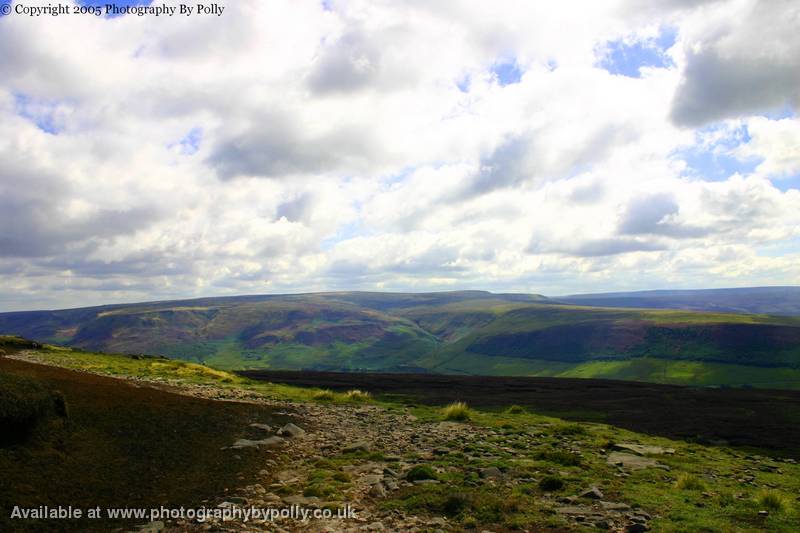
760	300
463	332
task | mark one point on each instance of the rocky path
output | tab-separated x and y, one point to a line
338	456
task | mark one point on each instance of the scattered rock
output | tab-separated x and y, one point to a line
593	493
637	528
614	506
263	427
377	490
630	461
361	446
491	472
642	449
292	431
152	527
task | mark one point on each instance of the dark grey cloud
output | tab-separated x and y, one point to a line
612	246
528	157
655	214
298	209
349	64
747	69
274	146
35	223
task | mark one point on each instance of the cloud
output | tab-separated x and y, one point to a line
406	145
737	66
656	214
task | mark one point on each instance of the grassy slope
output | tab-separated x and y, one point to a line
522	447
475	326
460	332
123	446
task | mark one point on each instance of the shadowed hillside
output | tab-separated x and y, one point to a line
465	332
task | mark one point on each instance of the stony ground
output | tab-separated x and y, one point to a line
374	449
406	469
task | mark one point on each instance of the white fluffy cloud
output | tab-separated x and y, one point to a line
381	145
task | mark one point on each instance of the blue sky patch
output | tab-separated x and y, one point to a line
507	72
626	59
190	144
41	113
716	162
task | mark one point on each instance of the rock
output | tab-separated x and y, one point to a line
371	479
361	446
270	442
297	499
615	506
291	431
763	513
642	449
491	472
152	527
377	490
602	524
426	482
391	473
636	528
593	493
630	461
263	427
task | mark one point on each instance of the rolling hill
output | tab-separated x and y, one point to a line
766	300
463	332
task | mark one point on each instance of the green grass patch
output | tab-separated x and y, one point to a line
457	411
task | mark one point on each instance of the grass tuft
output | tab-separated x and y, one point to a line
772	500
324	395
551	483
458	411
420	472
689	482
515	410
357	395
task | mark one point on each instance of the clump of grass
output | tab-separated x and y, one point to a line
324	395
771	500
551	483
357	395
420	472
689	482
458	411
560	457
515	410
569	429
725	499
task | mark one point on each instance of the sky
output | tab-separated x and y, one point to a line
548	147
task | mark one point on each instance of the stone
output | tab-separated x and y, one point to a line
602	524
262	427
637	528
491	472
614	506
593	493
377	490
630	461
642	449
152	527
361	446
292	431
270	442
